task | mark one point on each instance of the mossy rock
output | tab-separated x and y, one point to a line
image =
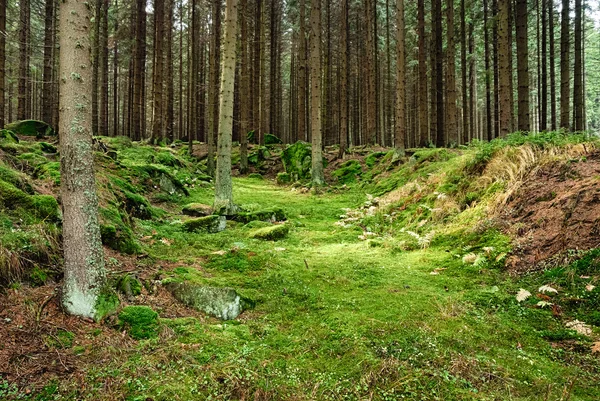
44	207
258	155
373	158
272	233
269	215
258	224
7	135
197	210
48	171
166	159
223	303
16	179
136	205
208	224
271	139
48	148
31	128
129	285
33	160
116	233
284	178
296	160
140	322
348	172
256	176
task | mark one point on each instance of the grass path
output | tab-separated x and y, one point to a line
337	318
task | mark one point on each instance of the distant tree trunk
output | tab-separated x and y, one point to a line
158	77
170	97
488	73
115	131
522	67
315	95
193	77
451	123
578	98
223	186
565	65
371	48
423	122
213	113
440	140
24	43
137	115
552	65
496	69
344	43
180	124
2	62
84	275
263	109
302	130
503	63
400	129
96	65
47	92
463	62
103	110
544	67
245	95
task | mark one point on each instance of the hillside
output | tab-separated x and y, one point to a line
451	274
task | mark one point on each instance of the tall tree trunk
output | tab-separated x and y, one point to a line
137	125
262	39
315	94
578	98
522	67
544	67
371	77
344	50
503	64
2	62
223	186
423	122
245	96
170	97
157	82
565	65
463	62
552	65
103	110
23	79
115	131
213	113
180	128
193	78
488	73
451	122
84	275
47	92
302	129
439	78
96	65
496	69
400	129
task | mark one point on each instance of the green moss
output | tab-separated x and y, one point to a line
8	136
258	224
296	160
60	339
49	171
42	206
19	180
48	148
196	210
129	285
106	304
272	233
284	178
116	233
270	215
137	206
373	158
38	276
31	128
141	322
256	176
271	139
32	159
207	224
45	207
348	172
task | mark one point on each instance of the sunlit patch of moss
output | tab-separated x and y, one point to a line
141	322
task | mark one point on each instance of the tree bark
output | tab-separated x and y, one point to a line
213	111
544	67
223	185
157	82
103	110
2	62
344	43
463	62
47	92
578	98
245	96
371	112
552	65
24	43
423	122
302	129
522	67
451	120
83	254
565	65
169	71
96	66
503	64
318	178
400	128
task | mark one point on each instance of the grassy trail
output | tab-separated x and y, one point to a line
341	318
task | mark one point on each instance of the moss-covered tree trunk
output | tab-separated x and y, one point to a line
223	186
84	262
315	94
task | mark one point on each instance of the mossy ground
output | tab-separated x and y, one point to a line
376	307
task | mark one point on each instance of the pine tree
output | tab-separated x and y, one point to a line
315	93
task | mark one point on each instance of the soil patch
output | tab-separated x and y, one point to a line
556	211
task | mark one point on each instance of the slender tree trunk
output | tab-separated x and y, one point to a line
223	185
157	82
522	67
496	68
552	65
180	128
193	78
503	63
423	123
2	62
578	98
103	110
170	97
439	79
344	50
84	274
544	67
214	84
488	73
463	62
23	79
400	129
451	120
315	95
96	65
245	96
115	131
302	129
371	78
47	92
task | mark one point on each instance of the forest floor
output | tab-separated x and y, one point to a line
401	283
